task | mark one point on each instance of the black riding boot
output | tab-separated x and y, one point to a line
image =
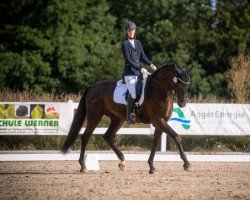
130	110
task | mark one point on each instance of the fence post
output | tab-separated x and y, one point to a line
72	109
163	142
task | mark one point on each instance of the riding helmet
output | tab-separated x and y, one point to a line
129	25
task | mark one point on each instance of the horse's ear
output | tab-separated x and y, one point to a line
189	70
177	69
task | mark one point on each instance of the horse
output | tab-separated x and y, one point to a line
162	85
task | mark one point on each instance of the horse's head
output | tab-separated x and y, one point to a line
181	83
173	78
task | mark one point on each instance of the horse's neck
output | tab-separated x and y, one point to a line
157	88
164	79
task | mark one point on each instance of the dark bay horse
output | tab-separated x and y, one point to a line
97	100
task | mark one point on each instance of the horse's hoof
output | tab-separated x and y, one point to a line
187	167
84	170
151	171
122	167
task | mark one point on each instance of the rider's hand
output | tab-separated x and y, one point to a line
144	71
153	67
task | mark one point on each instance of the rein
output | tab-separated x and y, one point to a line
160	84
175	80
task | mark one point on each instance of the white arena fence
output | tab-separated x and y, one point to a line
53	118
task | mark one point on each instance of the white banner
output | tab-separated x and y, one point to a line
211	119
34	118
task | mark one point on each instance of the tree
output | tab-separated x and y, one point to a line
100	42
80	33
68	45
65	45
23	48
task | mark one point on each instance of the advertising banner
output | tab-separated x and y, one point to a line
32	118
211	119
29	118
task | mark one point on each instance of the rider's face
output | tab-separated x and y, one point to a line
131	33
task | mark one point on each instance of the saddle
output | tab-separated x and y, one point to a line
139	86
121	96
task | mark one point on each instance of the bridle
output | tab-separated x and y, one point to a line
175	79
177	82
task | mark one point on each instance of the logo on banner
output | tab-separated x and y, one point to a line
181	118
24	118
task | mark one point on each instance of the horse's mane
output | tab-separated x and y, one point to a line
161	68
150	77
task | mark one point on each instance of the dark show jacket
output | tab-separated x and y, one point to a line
133	57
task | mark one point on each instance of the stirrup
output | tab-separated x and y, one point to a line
131	118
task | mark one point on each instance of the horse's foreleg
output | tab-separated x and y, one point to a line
183	156
109	136
157	135
167	129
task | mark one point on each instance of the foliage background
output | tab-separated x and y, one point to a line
68	45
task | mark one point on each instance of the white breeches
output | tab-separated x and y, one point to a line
131	85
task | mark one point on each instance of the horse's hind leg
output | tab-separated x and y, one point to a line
109	136
91	125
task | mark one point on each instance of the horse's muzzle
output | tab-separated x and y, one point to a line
181	103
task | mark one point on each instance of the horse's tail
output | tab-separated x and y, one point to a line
77	123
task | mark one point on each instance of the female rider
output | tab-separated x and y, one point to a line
133	54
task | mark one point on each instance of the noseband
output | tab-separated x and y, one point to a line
175	79
176	84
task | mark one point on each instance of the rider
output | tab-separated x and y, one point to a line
133	53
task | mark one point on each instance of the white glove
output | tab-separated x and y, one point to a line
153	67
144	71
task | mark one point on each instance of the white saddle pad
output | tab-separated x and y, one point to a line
120	91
